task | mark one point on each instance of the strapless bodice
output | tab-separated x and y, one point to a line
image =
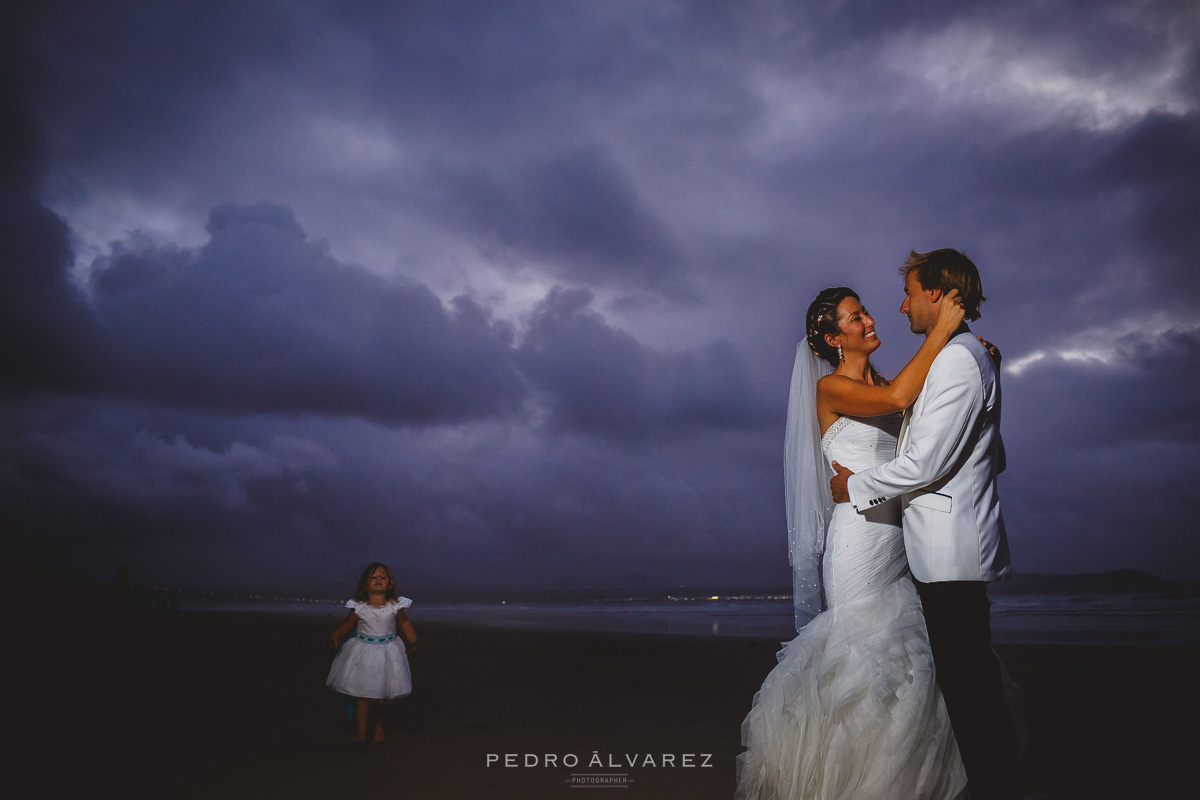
859	443
863	552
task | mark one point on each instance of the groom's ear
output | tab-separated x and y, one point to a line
935	295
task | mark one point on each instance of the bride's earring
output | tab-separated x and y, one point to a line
840	356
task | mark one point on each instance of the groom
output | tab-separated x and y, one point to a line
948	456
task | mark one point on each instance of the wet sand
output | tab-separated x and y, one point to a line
193	705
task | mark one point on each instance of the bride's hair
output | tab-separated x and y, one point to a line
823	320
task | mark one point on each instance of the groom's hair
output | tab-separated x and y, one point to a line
948	269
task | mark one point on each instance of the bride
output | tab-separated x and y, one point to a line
853	709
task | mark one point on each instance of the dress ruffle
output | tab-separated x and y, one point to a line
399	604
853	711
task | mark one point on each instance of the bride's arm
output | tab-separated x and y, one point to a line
842	395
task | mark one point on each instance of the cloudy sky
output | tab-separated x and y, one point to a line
507	294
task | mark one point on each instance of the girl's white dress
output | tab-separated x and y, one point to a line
853	709
372	662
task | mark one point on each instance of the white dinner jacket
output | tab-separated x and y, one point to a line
945	470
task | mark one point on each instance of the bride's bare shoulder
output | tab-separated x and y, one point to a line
834	380
826	382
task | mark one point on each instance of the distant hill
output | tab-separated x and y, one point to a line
1122	580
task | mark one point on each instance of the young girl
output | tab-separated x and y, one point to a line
372	665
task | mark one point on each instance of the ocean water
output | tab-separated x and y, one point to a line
1118	618
1124	618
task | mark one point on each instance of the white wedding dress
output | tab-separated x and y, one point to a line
853	709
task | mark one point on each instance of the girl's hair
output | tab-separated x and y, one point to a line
362	595
823	319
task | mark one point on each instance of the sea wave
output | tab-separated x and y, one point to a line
1117	618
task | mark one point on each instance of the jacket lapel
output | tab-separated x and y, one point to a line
903	437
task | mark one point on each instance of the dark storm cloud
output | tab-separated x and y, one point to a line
580	213
1143	392
687	174
1159	158
1089	508
96	484
496	108
549	72
1103	458
261	319
604	381
147	77
258	319
491	507
43	321
154	478
256	503
1070	228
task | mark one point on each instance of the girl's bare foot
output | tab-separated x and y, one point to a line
378	737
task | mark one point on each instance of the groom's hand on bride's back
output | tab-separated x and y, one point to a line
841	494
993	351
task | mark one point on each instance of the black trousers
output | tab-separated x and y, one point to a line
960	634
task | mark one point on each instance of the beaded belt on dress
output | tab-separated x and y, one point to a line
362	637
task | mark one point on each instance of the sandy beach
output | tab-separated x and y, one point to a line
205	705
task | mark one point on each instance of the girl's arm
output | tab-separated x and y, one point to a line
841	395
341	631
410	633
